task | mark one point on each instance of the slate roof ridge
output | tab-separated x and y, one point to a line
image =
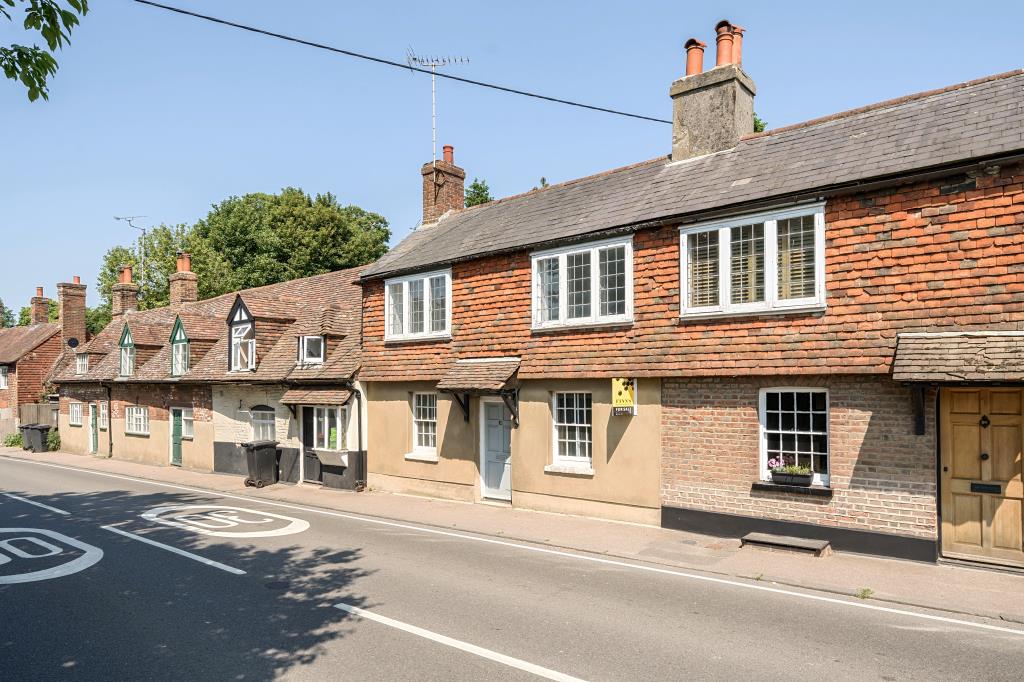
884	104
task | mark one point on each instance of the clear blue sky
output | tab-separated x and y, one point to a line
161	115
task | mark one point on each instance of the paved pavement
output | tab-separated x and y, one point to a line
252	592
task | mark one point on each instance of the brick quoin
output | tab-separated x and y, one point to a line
937	255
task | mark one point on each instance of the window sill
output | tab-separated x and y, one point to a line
136	435
430	457
416	339
77	426
547	329
570	469
810	490
795	310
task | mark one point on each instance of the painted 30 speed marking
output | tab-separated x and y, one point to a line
226	522
48	554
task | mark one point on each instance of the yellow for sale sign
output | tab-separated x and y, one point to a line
623	396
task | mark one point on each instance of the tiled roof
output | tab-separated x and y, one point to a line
975	120
319	395
17	341
479	375
283	311
966	356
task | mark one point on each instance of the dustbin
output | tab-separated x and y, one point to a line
36	437
26	439
261	460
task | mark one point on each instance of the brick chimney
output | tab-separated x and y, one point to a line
444	186
124	296
71	296
184	283
40	307
712	110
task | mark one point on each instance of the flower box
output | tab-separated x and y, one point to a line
792	479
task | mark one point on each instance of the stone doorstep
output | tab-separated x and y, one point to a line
818	548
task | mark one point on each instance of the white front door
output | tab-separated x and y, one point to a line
496	451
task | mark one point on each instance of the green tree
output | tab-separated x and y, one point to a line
33	66
96	319
478	193
6	316
250	241
25	314
759	125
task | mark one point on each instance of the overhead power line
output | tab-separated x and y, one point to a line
388	62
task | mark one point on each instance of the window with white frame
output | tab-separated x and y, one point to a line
424	421
794	430
104	419
771	261
580	285
573	428
136	420
243	347
329	427
126	366
418	307
81	363
179	350
263	423
75	414
188	427
311	350
3	376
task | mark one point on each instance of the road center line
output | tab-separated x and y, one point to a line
540	671
38	504
181	552
554	552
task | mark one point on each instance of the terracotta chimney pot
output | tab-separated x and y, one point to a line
737	44
694	56
39	292
724	40
76	279
184	261
449	154
126	275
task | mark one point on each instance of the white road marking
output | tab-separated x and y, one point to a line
554	552
213	519
181	552
90	554
540	671
38	504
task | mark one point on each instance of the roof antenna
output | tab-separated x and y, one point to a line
142	244
413	59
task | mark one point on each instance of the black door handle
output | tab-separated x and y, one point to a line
984	456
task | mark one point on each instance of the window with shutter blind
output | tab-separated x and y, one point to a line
763	263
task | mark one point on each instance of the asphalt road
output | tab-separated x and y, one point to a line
242	594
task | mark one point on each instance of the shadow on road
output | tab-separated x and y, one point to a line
145	613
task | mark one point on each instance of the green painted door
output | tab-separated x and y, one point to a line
176	437
94	435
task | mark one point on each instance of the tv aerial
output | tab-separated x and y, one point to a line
433	63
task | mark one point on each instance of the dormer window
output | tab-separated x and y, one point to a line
81	363
418	307
179	350
127	366
243	339
311	350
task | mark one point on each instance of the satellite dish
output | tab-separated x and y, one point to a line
73	342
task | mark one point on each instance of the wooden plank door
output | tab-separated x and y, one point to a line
982	490
176	422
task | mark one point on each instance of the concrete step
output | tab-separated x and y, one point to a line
787	542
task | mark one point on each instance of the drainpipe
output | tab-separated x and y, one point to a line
359	436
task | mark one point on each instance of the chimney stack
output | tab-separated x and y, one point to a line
184	283
71	296
124	296
444	186
40	306
712	110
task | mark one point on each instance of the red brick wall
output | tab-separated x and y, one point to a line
938	255
882	476
33	369
158	397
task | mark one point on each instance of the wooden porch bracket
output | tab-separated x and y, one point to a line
511	399
463	402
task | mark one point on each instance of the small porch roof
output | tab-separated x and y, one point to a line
316	395
947	357
479	375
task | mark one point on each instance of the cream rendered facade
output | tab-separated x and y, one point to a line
626	450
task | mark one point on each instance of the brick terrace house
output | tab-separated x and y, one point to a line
845	294
27	355
187	384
